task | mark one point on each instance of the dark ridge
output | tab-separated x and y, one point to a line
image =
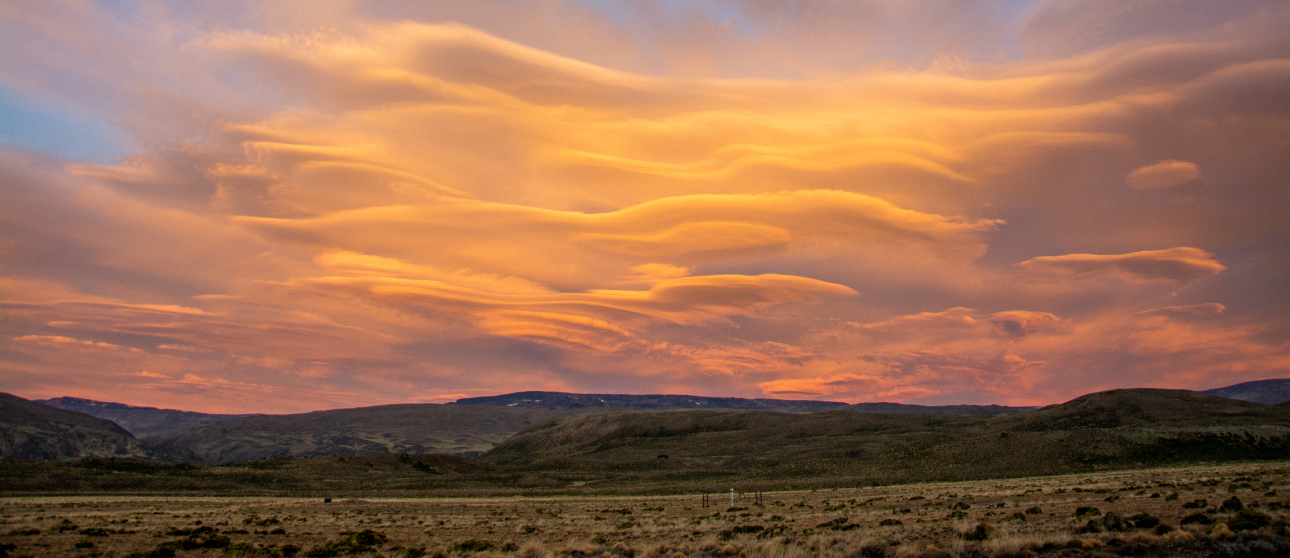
31	431
1131	427
1267	392
554	399
139	421
902	409
409	428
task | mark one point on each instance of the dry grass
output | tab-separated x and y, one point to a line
1030	516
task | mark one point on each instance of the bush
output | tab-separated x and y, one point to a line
1143	520
1247	520
63	527
1196	504
1087	511
471	545
1232	504
1197	518
981	532
872	551
250	550
354	543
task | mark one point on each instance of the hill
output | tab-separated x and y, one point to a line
555	399
1267	392
31	431
414	428
672	451
142	422
1122	428
903	409
467	427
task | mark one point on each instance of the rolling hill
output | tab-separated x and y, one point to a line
419	428
553	399
1267	392
606	450
1110	429
467	427
31	431
549	430
139	421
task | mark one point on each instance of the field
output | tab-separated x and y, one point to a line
1164	511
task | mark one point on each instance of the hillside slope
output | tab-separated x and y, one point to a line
31	431
1111	429
414	428
142	422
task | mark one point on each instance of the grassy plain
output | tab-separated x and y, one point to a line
1139	512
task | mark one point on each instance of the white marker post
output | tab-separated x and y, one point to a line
732	497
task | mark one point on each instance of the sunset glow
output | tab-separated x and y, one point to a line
288	206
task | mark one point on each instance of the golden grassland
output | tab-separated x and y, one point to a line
1180	511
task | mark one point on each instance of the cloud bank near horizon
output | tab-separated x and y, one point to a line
331	204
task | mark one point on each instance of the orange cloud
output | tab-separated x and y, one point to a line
1162	175
1178	265
1189	311
338	206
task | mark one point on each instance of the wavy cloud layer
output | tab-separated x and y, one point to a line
326	204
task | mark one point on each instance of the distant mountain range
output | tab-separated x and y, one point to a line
421	428
1267	392
555	399
139	421
68	428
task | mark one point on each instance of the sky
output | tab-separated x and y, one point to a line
279	207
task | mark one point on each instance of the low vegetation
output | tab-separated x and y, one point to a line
1127	513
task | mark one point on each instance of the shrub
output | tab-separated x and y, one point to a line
1087	511
1232	504
1093	526
981	532
63	527
471	545
354	543
872	551
1035	511
159	552
1143	520
1197	518
1196	504
1248	520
